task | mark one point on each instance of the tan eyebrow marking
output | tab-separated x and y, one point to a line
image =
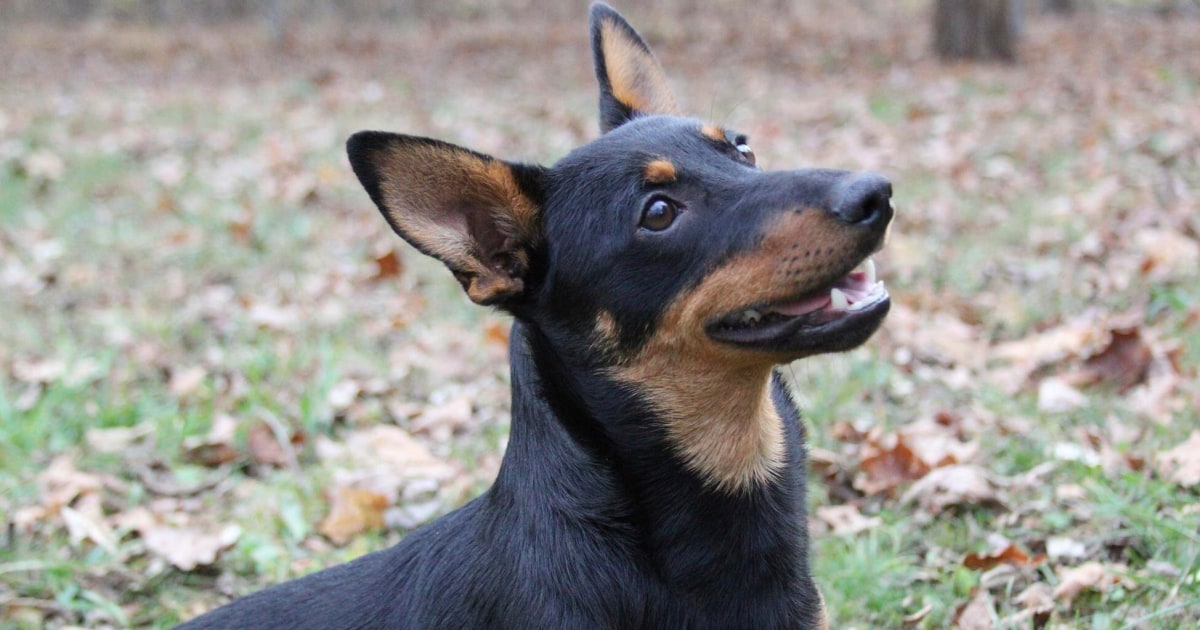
659	172
714	132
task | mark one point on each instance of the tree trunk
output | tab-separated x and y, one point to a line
1061	7
976	29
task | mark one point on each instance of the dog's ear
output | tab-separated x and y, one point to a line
478	215
631	81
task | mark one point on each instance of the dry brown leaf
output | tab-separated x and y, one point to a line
216	448
977	613
1087	576
1009	554
188	547
1056	396
495	331
61	483
115	439
1182	463
186	381
962	484
937	444
89	524
1038	597
445	419
883	467
1124	363
265	447
1167	254
343	394
846	520
1065	548
352	511
275	317
383	459
387	265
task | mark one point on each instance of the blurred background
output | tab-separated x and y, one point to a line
219	368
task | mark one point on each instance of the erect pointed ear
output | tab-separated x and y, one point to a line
631	81
478	215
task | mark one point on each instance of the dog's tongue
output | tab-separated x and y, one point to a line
803	307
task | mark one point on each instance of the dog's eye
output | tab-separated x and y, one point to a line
747	154
659	214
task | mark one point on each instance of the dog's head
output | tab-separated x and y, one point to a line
660	250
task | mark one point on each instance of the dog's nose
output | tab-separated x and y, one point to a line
863	198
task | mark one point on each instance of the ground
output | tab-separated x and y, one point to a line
219	369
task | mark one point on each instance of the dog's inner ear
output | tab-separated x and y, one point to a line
631	81
478	215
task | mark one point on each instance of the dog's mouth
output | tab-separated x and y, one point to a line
838	316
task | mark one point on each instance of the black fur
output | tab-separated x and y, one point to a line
594	521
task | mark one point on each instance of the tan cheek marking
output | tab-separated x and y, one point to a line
713	132
715	399
607	335
659	172
636	79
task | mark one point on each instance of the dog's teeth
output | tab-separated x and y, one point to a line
837	300
869	268
751	316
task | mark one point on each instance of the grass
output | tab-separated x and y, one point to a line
208	221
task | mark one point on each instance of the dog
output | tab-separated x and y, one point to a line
655	472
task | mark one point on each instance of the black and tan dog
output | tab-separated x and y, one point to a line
654	476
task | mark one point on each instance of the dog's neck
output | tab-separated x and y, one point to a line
586	443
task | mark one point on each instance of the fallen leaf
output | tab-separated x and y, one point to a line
883	467
1124	363
495	331
352	511
387	265
1056	396
216	448
343	394
977	613
1167	254
846	520
445	419
265	448
115	439
1063	548
81	526
962	484
188	547
61	483
275	317
1087	576
187	380
937	444
1009	554
383	459
1182	463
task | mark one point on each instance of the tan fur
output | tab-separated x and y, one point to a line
430	191
659	172
714	132
823	622
636	79
715	398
